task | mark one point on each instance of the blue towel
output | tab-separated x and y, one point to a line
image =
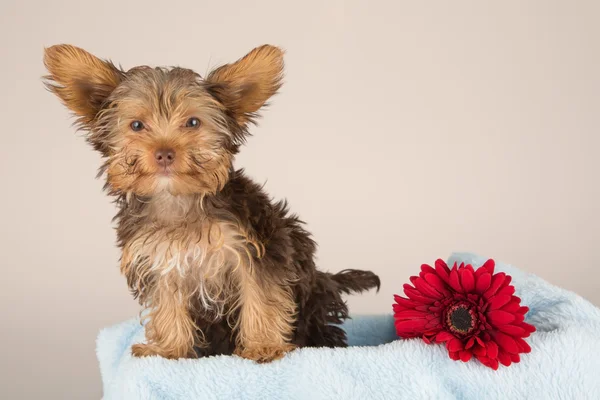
564	362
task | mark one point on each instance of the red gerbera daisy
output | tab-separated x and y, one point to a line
475	312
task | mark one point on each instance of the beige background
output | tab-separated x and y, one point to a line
405	131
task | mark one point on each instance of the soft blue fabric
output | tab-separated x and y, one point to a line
564	362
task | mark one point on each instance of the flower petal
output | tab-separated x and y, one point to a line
511	307
467	280
508	290
493	364
470	343
465	355
425	288
503	357
527	334
454	345
430	335
433	325
499	317
454	355
454	282
507	343
489	265
483	282
488	362
506	282
515	358
478	272
437	283
492	349
497	280
410	314
410	326
442	270
398	308
523	346
512	330
444	336
523	310
479	351
415	295
403	301
529	328
497	302
427	269
518	318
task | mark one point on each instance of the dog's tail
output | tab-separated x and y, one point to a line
321	316
356	281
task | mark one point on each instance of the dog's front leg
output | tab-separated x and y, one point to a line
170	331
266	318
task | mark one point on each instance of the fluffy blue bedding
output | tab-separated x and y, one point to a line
564	362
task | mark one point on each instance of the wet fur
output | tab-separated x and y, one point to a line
220	267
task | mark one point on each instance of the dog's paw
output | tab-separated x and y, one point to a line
144	350
265	354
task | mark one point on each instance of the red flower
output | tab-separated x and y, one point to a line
474	312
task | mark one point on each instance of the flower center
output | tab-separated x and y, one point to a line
461	319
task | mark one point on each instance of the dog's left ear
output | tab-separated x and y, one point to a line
245	85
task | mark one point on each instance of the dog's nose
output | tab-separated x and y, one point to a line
164	157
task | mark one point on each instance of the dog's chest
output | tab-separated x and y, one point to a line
202	250
178	237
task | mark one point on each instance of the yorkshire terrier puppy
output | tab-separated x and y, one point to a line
219	266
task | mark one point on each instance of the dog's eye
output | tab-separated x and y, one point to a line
136	126
192	123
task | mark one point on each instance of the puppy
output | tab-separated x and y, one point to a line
219	267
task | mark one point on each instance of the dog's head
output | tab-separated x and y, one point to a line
164	129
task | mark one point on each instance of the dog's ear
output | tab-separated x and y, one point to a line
82	81
245	85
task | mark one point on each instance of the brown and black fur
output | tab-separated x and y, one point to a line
220	267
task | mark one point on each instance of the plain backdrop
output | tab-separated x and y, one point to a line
404	131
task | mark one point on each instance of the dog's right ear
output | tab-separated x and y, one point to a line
82	81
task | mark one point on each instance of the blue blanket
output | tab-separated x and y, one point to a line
564	362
